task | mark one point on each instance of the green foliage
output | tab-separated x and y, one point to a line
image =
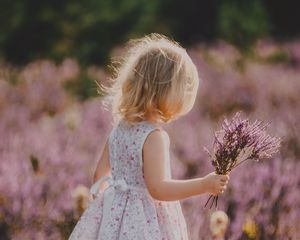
34	163
189	21
82	87
280	56
28	29
242	22
88	30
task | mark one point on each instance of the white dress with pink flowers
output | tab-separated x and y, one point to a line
125	210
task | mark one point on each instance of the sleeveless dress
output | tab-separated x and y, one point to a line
125	210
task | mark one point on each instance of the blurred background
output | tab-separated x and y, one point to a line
53	125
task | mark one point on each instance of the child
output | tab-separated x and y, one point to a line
156	84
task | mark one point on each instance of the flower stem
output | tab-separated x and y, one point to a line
240	163
212	203
213	199
208	200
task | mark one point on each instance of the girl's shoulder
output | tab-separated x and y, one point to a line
157	134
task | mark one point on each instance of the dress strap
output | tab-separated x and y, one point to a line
150	128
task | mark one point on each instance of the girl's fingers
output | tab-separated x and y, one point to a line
224	182
225	177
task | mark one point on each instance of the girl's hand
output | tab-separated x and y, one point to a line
215	183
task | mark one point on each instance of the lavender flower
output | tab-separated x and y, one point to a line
43	158
238	141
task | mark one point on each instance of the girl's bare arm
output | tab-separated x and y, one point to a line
156	154
103	166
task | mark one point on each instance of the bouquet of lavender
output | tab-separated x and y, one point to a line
237	142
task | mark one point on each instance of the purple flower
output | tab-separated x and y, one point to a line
238	141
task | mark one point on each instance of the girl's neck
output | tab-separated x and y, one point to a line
156	124
151	121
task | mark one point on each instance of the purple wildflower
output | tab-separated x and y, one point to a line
238	141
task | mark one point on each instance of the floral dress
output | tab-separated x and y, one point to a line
125	210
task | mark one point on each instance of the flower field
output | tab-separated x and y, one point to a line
53	129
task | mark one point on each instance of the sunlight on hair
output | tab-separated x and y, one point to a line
155	80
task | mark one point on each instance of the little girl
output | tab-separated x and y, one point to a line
135	195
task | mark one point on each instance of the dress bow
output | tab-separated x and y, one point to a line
108	197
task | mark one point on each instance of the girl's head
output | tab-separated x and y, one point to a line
156	81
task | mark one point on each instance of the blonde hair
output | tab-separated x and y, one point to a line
156	81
